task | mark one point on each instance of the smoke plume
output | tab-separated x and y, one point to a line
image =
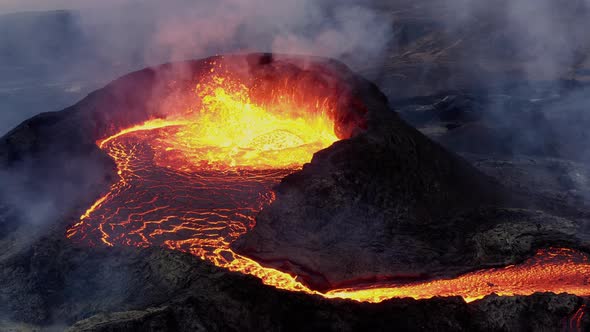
80	50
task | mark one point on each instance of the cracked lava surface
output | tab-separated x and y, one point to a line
195	183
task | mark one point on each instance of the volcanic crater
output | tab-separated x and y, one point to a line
293	170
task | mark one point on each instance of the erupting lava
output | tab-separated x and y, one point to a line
195	182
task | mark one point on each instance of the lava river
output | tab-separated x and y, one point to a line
195	183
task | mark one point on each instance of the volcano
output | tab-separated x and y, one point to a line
293	170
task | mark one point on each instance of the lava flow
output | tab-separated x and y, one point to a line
194	182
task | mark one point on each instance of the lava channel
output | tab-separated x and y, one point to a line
195	183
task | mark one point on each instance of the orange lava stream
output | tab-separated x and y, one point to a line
198	212
557	270
195	183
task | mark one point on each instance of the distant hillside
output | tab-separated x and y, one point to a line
466	44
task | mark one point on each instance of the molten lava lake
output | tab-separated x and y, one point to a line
195	181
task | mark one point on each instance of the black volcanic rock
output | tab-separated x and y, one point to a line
392	204
57	284
386	202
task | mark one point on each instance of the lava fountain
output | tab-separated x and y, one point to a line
195	179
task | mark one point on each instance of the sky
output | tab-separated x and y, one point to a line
7	6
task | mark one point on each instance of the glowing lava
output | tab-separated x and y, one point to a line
556	270
195	181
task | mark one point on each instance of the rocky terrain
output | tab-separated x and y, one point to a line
496	167
405	233
54	284
425	202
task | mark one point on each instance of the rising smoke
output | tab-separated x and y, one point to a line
543	39
96	43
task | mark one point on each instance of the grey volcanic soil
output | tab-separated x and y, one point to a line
392	199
